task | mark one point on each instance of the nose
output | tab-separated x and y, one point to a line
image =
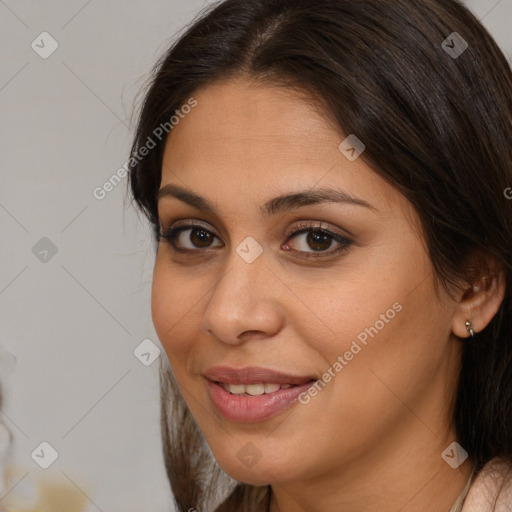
244	302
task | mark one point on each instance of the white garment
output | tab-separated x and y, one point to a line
489	491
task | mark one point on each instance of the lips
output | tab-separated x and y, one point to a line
253	375
253	394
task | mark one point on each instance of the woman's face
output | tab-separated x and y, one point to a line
351	306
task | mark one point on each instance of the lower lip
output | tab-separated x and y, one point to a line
249	409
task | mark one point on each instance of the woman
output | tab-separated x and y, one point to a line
326	182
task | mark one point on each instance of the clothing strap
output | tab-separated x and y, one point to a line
459	502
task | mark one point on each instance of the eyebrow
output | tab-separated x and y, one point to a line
282	203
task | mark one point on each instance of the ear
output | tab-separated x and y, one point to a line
481	299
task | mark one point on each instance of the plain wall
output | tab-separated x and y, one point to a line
69	324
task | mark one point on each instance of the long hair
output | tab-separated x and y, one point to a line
436	119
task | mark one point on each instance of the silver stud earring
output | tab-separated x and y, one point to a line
470	329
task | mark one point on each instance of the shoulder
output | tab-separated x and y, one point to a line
491	490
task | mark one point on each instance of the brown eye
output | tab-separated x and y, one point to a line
314	241
318	240
200	238
197	238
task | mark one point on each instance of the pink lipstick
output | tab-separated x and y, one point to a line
253	394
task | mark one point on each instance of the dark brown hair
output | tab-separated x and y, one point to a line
437	126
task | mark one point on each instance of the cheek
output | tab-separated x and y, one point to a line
361	306
172	308
387	337
367	289
387	361
162	302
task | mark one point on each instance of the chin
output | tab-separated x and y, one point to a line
255	476
253	472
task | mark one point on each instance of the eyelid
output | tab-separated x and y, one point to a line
171	233
303	226
178	223
306	226
294	231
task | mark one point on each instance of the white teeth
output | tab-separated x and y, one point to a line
253	389
271	388
236	389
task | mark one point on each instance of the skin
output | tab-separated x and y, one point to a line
372	439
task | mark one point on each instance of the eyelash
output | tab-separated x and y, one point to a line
304	227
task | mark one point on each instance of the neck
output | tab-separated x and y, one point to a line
410	477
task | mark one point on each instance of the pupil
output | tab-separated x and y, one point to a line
319	239
203	237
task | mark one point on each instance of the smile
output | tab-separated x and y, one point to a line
250	395
253	389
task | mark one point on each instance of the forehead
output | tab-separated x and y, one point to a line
244	115
263	140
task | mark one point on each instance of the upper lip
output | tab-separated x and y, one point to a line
253	375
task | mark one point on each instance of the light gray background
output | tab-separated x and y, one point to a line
69	326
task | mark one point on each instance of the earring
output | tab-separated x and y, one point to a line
469	328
